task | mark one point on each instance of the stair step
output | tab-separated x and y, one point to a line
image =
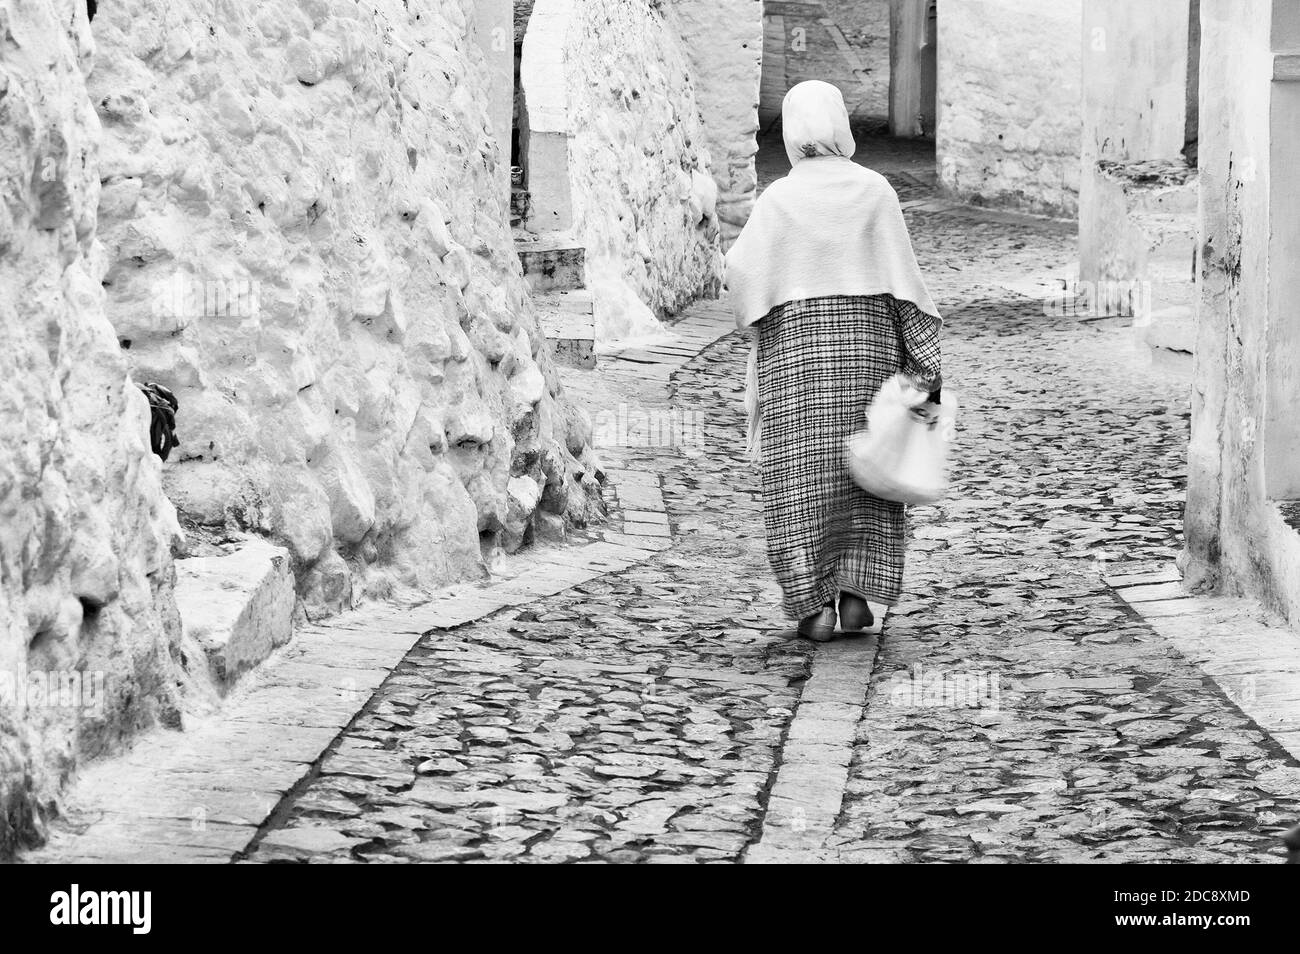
1173	329
553	263
576	301
237	607
519	201
567	319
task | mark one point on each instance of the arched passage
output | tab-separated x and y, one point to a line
843	42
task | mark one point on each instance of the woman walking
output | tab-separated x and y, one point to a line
824	268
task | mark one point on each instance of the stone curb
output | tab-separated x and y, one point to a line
202	795
807	791
1250	656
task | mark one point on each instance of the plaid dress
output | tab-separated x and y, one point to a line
820	362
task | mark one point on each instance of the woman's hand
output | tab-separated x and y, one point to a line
930	383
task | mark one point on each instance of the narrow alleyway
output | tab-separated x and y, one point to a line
1016	711
362	506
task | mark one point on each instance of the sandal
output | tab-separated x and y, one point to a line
820	627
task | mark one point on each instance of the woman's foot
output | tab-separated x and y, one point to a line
819	627
855	614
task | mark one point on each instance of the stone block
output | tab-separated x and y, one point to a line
1172	330
553	262
237	608
567	320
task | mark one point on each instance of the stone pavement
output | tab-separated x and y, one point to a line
201	795
655	709
1022	709
1017	710
633	718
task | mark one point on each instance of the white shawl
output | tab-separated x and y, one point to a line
830	227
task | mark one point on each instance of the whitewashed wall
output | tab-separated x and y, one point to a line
1135	67
85	531
723	40
1009	103
291	214
1242	522
643	190
369	399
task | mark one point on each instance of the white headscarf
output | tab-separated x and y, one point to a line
829	228
815	122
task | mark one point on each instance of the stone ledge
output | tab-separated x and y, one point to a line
809	787
1148	173
568	321
1250	656
554	262
237	608
1286	67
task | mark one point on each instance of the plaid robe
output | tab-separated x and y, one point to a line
820	362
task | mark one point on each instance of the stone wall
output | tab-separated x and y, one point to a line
842	42
723	40
1009	103
87	624
1243	535
494	35
306	237
1137	198
643	189
1137	242
865	26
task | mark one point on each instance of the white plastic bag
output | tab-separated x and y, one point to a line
903	453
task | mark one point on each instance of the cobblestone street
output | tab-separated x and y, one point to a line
379	451
1017	710
1079	734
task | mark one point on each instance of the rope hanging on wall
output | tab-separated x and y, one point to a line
162	418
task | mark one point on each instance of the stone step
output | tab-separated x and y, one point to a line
237	608
553	262
519	201
568	320
1172	329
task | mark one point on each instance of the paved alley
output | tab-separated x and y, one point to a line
1016	710
374	484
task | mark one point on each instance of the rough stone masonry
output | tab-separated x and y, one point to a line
295	216
384	404
286	213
